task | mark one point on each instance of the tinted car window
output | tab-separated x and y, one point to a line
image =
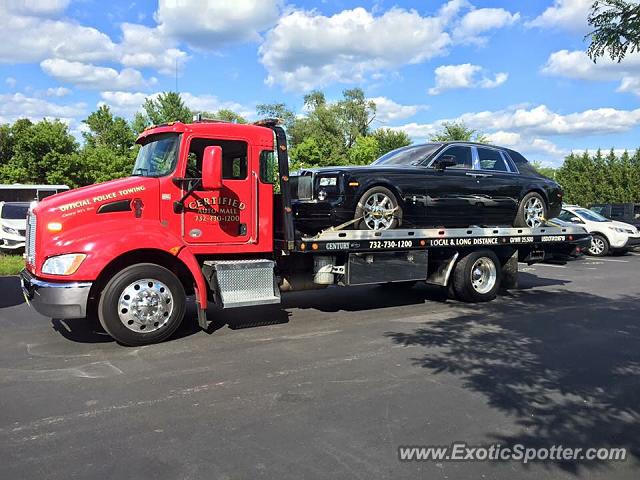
408	156
462	156
491	160
567	216
15	212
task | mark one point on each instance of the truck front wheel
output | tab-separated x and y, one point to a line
142	304
476	277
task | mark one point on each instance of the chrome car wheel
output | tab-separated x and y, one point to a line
378	212
534	212
483	275
145	305
597	246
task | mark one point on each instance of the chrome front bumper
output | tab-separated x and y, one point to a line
55	299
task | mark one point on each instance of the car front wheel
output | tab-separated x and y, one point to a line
599	246
532	211
378	209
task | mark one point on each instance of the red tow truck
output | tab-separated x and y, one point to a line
208	212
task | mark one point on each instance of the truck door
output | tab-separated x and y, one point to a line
225	216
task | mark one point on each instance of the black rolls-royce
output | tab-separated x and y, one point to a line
448	184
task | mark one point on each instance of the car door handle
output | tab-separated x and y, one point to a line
478	175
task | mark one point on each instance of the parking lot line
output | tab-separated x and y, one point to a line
550	265
613	260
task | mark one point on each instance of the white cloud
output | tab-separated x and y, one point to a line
11	82
388	111
577	65
17	105
481	20
527	144
466	75
209	25
127	104
37	7
144	47
565	14
306	49
58	92
93	77
28	38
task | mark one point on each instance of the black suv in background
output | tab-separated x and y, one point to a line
622	212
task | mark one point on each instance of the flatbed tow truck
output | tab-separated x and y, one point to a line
205	214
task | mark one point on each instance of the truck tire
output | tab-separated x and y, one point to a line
142	304
378	209
532	211
476	277
599	246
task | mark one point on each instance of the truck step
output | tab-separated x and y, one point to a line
242	283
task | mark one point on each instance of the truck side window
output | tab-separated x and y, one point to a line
234	158
268	167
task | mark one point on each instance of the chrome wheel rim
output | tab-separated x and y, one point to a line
378	212
534	212
597	246
483	275
145	305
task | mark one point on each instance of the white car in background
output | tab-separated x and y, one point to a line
13	225
608	236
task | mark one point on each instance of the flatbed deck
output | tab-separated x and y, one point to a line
416	239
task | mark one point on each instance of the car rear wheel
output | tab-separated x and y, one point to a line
532	211
599	246
378	209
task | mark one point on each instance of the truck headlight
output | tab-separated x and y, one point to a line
66	264
10	231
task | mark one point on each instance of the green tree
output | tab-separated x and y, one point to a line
548	172
167	107
616	29
277	110
40	152
107	130
389	140
229	116
364	151
457	131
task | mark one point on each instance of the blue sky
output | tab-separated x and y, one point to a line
513	70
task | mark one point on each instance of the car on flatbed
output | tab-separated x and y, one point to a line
443	184
608	236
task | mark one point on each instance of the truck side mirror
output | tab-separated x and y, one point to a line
212	168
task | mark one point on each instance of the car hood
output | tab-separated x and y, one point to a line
626	226
357	169
18	224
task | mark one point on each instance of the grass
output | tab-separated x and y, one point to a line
10	264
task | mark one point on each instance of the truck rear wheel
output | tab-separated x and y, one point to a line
142	304
476	277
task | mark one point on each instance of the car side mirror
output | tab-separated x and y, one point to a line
445	161
576	220
212	168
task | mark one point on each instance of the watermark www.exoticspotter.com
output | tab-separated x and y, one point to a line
495	452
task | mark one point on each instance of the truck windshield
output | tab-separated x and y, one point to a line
158	155
15	212
413	155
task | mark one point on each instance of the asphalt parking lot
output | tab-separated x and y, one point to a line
329	385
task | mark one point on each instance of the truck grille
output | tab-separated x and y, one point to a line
30	242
